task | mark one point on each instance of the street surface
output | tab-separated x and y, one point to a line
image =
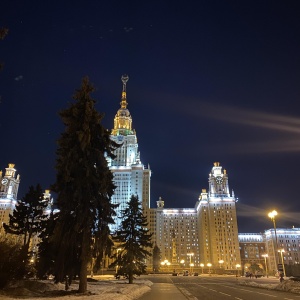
206	287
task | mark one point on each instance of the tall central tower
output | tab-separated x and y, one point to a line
218	231
131	177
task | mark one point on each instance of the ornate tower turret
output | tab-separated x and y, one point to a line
218	182
160	203
123	120
9	183
9	186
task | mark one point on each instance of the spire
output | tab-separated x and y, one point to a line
123	103
123	120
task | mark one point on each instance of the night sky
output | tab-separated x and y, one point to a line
208	81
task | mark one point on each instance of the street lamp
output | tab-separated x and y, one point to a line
202	265
192	267
182	263
209	266
272	216
190	255
237	267
283	267
221	261
165	263
265	257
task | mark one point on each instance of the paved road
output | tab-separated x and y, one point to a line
211	288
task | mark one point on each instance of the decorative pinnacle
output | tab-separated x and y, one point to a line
124	79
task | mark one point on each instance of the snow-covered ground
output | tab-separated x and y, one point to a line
287	285
107	288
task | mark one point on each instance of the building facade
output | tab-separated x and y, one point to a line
205	234
254	256
261	249
287	250
176	234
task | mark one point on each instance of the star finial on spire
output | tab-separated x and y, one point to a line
124	79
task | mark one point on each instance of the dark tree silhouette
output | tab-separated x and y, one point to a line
10	261
156	259
84	187
133	240
46	250
27	218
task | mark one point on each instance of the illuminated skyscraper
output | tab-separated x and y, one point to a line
218	230
131	177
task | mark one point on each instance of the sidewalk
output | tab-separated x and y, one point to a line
163	291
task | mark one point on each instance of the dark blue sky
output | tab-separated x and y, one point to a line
209	81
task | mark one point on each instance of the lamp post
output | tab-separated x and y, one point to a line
272	216
190	255
119	249
202	265
283	267
209	266
192	267
265	257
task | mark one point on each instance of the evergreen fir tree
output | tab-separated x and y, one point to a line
156	259
133	239
84	185
46	251
27	219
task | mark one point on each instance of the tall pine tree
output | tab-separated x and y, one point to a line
133	239
84	185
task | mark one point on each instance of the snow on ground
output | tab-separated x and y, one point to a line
105	288
108	288
287	285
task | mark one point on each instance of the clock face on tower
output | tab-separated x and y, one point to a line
4	181
219	179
